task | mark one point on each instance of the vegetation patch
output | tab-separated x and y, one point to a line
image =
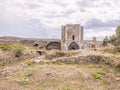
101	72
96	75
23	78
71	53
7	47
29	63
115	50
93	66
55	54
106	82
3	64
41	88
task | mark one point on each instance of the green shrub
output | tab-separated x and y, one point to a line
71	53
96	75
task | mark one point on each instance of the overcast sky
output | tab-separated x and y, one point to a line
43	18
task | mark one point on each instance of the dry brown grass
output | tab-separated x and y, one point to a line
60	77
55	54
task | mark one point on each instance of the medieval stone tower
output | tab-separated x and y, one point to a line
71	36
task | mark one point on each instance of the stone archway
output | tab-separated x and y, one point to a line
53	45
73	46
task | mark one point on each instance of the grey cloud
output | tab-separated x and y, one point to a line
33	5
62	14
96	23
60	3
93	3
31	29
70	12
84	6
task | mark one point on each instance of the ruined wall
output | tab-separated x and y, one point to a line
40	43
53	45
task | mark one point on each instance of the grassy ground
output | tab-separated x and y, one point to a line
115	50
9	53
24	76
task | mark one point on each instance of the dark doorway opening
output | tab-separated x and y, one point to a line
73	46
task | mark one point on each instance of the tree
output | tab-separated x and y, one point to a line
118	32
118	35
105	41
113	40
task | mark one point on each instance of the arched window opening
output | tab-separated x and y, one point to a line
73	37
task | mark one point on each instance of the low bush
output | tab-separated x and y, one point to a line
96	75
71	53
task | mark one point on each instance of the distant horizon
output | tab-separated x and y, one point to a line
42	38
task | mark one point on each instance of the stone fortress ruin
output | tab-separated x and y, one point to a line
72	38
